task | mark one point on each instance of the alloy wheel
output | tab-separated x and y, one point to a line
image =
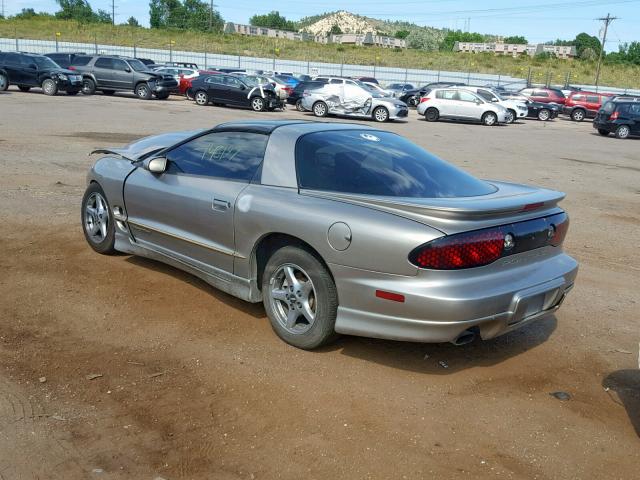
622	131
510	117
257	104
578	115
201	98
96	217
320	109
4	82
490	119
293	298
544	115
381	114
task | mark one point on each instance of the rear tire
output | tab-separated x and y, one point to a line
88	86
97	220
380	114
24	88
299	106
412	101
320	109
578	115
143	91
603	132
622	132
312	295
49	87
511	115
544	114
431	115
489	119
201	98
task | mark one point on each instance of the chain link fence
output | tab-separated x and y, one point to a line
385	75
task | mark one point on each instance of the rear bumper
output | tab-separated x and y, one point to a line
496	299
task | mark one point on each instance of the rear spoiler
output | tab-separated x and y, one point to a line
113	151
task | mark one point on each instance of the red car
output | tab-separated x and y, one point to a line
544	95
581	105
185	81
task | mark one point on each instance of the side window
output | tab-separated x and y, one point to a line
528	92
593	99
578	98
540	93
214	79
446	94
232	82
13	59
227	155
486	95
635	109
103	62
119	65
336	80
466	96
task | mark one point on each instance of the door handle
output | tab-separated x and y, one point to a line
220	205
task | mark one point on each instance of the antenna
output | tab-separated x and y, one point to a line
607	20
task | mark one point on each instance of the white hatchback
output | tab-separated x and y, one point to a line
459	104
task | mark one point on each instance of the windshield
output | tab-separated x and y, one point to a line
369	162
45	63
138	66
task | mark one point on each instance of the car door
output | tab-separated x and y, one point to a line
634	115
447	103
102	69
187	212
13	65
121	75
235	91
470	106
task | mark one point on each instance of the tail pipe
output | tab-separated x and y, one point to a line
464	338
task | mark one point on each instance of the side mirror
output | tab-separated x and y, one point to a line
478	102
33	66
128	70
242	87
155	165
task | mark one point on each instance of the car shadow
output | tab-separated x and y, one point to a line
427	357
611	135
626	384
256	310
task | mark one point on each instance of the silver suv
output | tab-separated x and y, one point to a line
459	104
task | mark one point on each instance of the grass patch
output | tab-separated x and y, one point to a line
582	72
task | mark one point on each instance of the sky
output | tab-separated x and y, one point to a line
538	21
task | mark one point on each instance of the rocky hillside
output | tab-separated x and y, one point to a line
347	22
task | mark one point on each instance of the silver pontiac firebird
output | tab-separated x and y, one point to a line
336	228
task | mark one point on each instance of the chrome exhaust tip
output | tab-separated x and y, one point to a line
464	338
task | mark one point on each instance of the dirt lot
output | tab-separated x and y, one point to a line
194	385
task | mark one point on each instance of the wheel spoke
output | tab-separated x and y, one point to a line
307	312
279	294
292	316
103	228
306	289
291	278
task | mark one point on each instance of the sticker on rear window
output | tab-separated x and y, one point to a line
371	138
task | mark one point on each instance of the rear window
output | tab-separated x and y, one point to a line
379	163
609	107
578	98
593	99
81	60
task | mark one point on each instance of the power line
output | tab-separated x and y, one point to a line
607	20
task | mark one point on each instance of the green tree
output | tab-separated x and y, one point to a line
133	22
81	11
272	19
402	34
335	30
454	36
190	14
27	13
518	39
423	40
585	41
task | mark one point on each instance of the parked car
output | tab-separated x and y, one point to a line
374	87
111	73
399	88
460	104
354	101
544	95
541	111
290	80
64	60
147	61
367	80
412	97
179	73
620	117
282	89
193	66
295	97
4	80
582	104
28	70
336	80
393	243
515	108
233	90
303	77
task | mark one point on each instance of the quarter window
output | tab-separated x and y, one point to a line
104	63
214	79
593	99
228	155
446	94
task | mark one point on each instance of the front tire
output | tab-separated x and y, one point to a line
431	115
4	82
412	101
300	298
257	104
380	114
299	106
201	98
88	86
489	119
320	109
511	116
544	115
49	87
622	132
97	220
578	115
143	91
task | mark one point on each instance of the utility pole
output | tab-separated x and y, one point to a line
2	8
607	20
113	12
211	15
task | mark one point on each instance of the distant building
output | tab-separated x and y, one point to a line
515	49
363	39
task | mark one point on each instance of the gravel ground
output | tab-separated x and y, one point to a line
120	367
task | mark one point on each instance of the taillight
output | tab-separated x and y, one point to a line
424	99
614	115
466	250
482	247
72	68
